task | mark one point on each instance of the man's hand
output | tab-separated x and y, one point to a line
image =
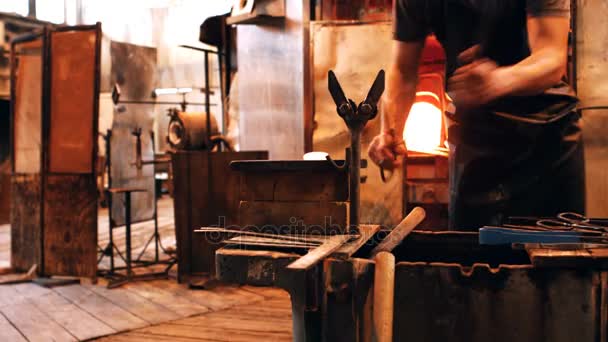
477	84
387	150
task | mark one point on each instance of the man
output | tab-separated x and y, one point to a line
515	143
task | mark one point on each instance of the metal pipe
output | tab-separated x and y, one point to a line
164	103
355	180
207	99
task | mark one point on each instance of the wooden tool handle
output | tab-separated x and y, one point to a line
384	294
411	221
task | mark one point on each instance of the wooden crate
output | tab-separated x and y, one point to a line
206	193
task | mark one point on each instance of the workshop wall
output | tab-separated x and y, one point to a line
271	86
163	24
592	84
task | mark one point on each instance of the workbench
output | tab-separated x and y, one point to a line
447	288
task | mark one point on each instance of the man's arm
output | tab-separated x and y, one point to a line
396	103
483	81
546	65
401	85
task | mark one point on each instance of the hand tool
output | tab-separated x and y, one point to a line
565	216
573	221
355	117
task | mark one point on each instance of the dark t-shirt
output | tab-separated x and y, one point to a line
498	25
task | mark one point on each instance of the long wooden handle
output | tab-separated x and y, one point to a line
384	293
394	239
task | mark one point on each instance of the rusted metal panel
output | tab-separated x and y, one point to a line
442	302
73	108
26	229
70	225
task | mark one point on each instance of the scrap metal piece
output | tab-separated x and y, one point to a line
296	238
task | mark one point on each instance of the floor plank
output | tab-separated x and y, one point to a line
78	322
31	290
219	298
8	332
182	305
251	322
178	314
101	308
139	306
208	333
10	296
35	325
266	292
140	337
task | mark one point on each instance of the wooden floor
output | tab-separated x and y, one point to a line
159	310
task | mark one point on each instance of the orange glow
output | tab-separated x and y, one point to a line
423	128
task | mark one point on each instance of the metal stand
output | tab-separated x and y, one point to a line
116	278
355	117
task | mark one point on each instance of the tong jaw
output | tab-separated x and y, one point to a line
356	116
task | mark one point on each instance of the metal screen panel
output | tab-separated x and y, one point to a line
134	70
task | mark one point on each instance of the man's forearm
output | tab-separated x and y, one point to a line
398	100
548	37
533	75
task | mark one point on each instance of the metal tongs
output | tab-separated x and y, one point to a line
567	227
566	221
355	117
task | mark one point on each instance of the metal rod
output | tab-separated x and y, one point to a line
201	49
109	194
156	196
223	97
128	231
355	179
164	103
207	100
